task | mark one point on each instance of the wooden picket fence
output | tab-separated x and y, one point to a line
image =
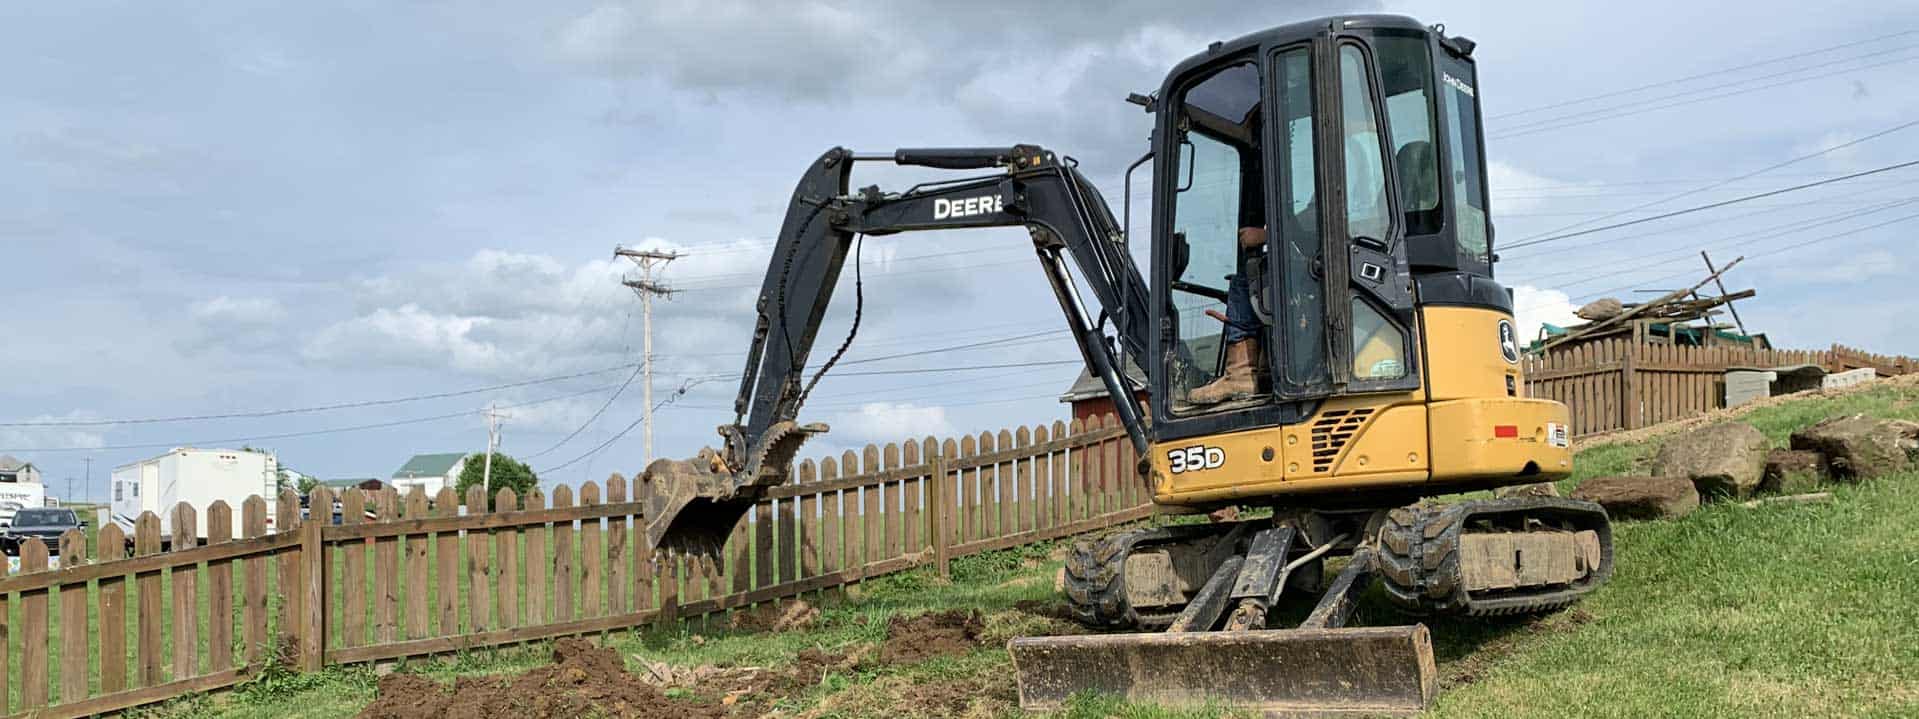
404	577
1614	384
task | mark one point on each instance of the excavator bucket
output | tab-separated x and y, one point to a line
691	506
1365	671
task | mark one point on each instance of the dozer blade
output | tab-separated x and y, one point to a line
691	506
1365	671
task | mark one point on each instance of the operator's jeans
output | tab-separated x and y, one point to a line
1241	322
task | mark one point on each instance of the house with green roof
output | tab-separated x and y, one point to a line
429	472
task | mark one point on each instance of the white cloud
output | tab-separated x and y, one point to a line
842	46
1533	306
890	421
1834	159
14	439
1853	267
1517	190
406	335
242	311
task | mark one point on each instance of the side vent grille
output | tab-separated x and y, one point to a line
1331	432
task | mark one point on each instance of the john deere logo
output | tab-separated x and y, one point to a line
1508	342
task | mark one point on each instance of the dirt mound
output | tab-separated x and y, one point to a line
913	639
747	690
794	615
583	680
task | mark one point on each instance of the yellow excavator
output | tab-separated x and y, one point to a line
1322	343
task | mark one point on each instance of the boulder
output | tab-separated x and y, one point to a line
1721	460
1641	497
1860	447
1542	489
1792	471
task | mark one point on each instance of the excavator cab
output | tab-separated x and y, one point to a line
1297	176
1321	335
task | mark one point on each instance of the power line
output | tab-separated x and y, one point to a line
1775	232
1778	250
1722	183
590	420
1576	120
1709	206
316	408
1699	76
935	370
648	412
309	433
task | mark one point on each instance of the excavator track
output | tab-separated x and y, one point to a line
1096	589
1453	559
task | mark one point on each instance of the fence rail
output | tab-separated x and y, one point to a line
1615	384
399	576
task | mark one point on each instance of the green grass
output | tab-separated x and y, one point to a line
1783	610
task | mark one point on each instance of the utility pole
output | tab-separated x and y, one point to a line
88	485
646	287
493	417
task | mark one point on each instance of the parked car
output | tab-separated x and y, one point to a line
47	524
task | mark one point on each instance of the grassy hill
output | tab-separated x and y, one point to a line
1781	610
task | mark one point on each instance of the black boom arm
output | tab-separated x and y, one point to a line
1051	199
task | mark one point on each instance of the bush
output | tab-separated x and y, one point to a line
507	472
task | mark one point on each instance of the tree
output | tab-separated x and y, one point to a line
507	472
282	482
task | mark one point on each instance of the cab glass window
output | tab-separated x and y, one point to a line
1378	346
1303	307
1405	73
1217	191
1460	114
1366	206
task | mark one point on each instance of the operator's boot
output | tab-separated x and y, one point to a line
1238	381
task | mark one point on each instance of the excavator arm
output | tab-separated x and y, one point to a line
691	506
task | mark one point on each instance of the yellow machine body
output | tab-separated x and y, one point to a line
1463	427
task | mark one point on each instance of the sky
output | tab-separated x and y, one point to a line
229	208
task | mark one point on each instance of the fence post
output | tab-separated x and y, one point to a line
941	518
1629	387
313	624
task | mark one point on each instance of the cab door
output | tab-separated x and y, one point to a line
1345	318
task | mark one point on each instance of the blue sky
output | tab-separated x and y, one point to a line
232	208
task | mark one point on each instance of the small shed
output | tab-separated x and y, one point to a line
1088	395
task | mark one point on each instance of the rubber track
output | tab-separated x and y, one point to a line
1418	564
1096	576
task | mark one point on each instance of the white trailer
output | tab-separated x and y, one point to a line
197	477
21	493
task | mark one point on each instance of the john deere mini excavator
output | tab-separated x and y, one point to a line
1324	185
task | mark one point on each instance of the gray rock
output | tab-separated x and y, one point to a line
1792	471
1641	497
1860	447
1721	460
1542	489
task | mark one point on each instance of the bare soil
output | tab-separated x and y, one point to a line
922	637
583	680
793	615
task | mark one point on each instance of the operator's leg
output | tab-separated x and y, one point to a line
1241	335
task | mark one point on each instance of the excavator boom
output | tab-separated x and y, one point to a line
691	506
